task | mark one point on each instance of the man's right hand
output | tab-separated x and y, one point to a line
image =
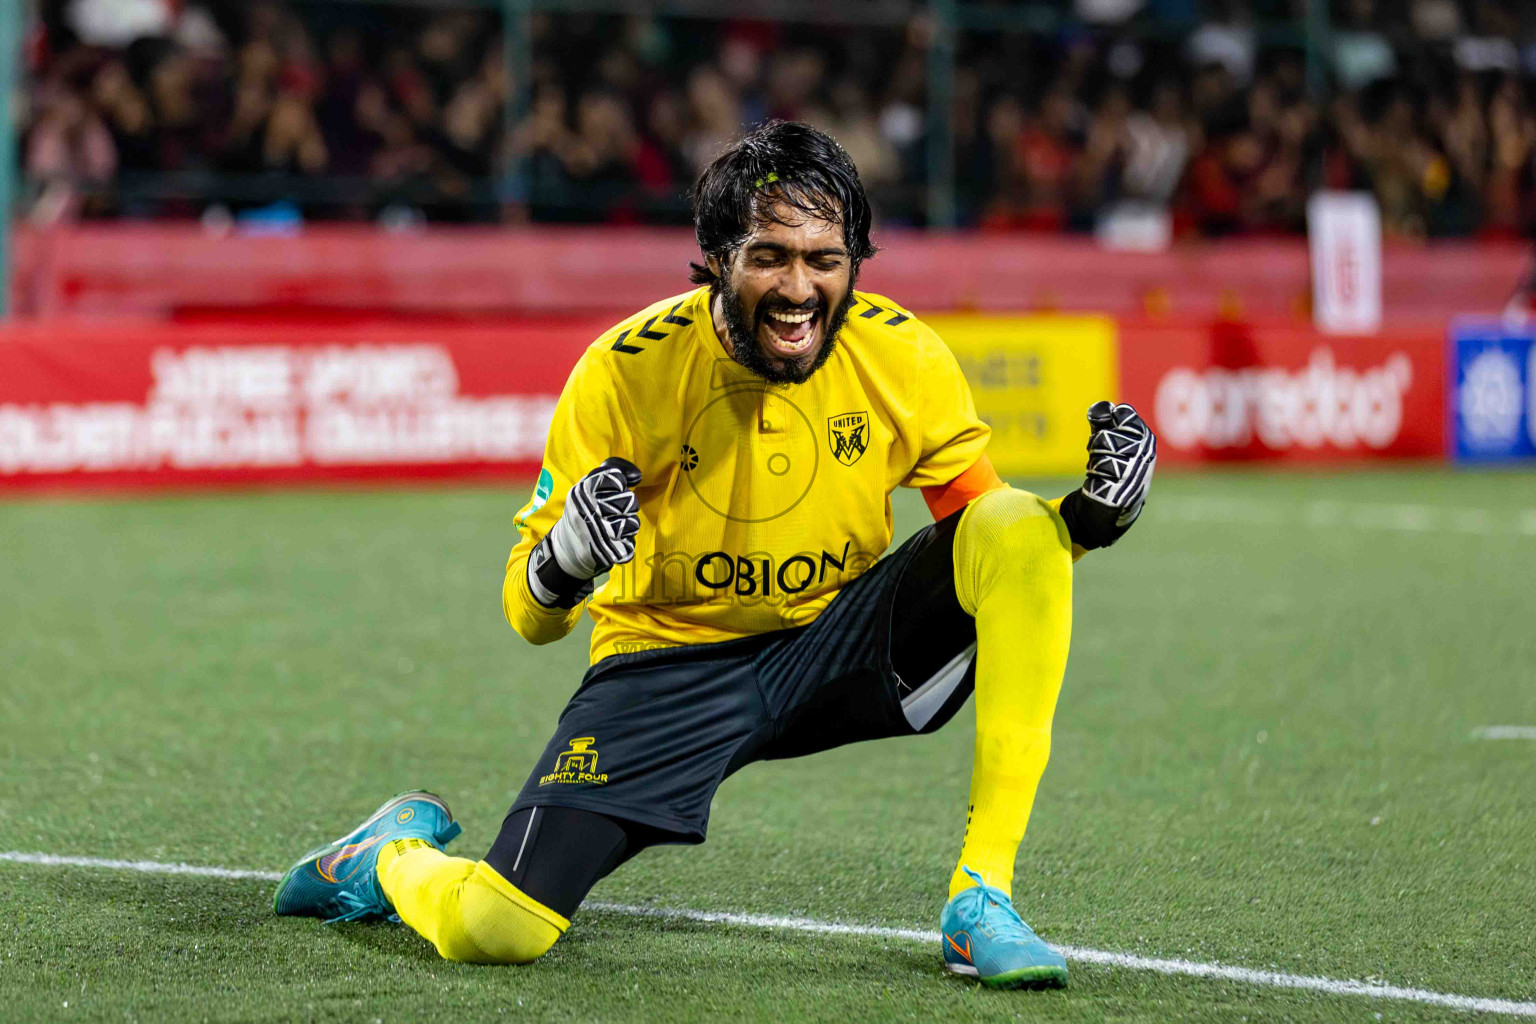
595	532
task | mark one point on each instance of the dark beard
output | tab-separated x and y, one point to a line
746	351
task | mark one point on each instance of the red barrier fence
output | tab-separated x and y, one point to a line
160	269
1235	392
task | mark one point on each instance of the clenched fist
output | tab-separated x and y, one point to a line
595	532
1122	452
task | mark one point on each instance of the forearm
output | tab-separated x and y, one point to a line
532	621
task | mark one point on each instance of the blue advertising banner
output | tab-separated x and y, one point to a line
1492	398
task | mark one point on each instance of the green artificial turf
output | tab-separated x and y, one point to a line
1263	757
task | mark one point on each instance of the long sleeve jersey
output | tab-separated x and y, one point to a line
758	501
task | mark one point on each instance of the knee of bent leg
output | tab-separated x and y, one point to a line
503	948
505	925
500	944
1017	530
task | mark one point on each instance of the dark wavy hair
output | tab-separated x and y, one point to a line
781	165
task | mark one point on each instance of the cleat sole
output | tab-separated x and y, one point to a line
1042	977
1029	977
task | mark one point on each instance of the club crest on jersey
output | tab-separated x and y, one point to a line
848	433
579	764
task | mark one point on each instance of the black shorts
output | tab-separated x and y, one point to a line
650	735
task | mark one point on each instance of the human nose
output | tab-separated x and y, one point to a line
795	286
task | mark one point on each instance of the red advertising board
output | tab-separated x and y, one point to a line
1236	392
193	404
170	404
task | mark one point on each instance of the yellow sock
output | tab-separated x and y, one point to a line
465	908
1013	574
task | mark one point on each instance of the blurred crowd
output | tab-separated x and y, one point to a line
1194	117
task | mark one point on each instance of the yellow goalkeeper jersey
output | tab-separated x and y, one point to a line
758	501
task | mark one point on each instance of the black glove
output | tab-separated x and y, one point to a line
595	532
1122	452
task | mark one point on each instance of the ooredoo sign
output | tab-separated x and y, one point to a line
1234	392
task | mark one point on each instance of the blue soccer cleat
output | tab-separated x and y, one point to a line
984	938
337	881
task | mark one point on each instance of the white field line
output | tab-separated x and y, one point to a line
1475	522
147	867
1504	732
1127	961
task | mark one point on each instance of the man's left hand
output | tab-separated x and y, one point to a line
1122	452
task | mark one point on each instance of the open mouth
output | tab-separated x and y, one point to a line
791	333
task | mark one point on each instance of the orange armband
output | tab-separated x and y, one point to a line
945	499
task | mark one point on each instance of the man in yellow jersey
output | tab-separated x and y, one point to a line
727	457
